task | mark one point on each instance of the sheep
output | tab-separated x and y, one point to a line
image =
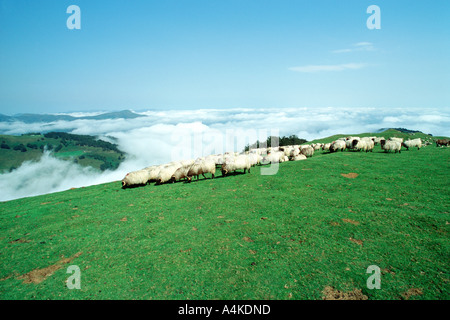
365	144
412	143
237	163
442	142
337	145
273	157
359	145
181	173
286	149
390	145
396	139
135	178
298	157
370	144
308	151
349	142
317	146
254	159
165	174
294	152
326	147
377	140
201	166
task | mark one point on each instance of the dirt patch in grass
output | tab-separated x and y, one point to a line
356	241
351	221
329	293
351	175
411	292
39	275
21	240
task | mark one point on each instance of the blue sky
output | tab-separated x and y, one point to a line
222	54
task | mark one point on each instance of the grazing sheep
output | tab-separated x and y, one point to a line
241	162
349	142
396	139
337	145
308	151
377	140
273	157
359	145
412	143
181	173
326	147
200	167
294	152
166	173
135	178
254	159
298	157
390	145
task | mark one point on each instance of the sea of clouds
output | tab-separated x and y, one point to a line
161	136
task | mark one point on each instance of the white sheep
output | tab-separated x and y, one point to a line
390	145
364	144
181	173
337	145
202	166
166	173
308	151
135	178
298	157
273	157
412	143
349	142
240	162
326	147
396	139
377	140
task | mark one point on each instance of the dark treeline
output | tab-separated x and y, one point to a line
283	141
82	140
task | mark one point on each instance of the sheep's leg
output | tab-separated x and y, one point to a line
203	175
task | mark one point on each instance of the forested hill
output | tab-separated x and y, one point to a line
82	149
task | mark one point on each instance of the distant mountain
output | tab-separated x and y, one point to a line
4	118
33	118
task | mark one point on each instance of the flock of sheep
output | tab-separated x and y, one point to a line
232	161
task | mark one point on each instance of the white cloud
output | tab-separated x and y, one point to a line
360	46
335	67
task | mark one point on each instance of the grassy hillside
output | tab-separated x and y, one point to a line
314	227
82	149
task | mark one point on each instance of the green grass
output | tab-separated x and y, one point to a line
286	236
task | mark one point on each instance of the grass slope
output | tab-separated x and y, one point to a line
286	236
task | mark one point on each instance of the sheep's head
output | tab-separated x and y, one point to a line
124	184
354	142
382	142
